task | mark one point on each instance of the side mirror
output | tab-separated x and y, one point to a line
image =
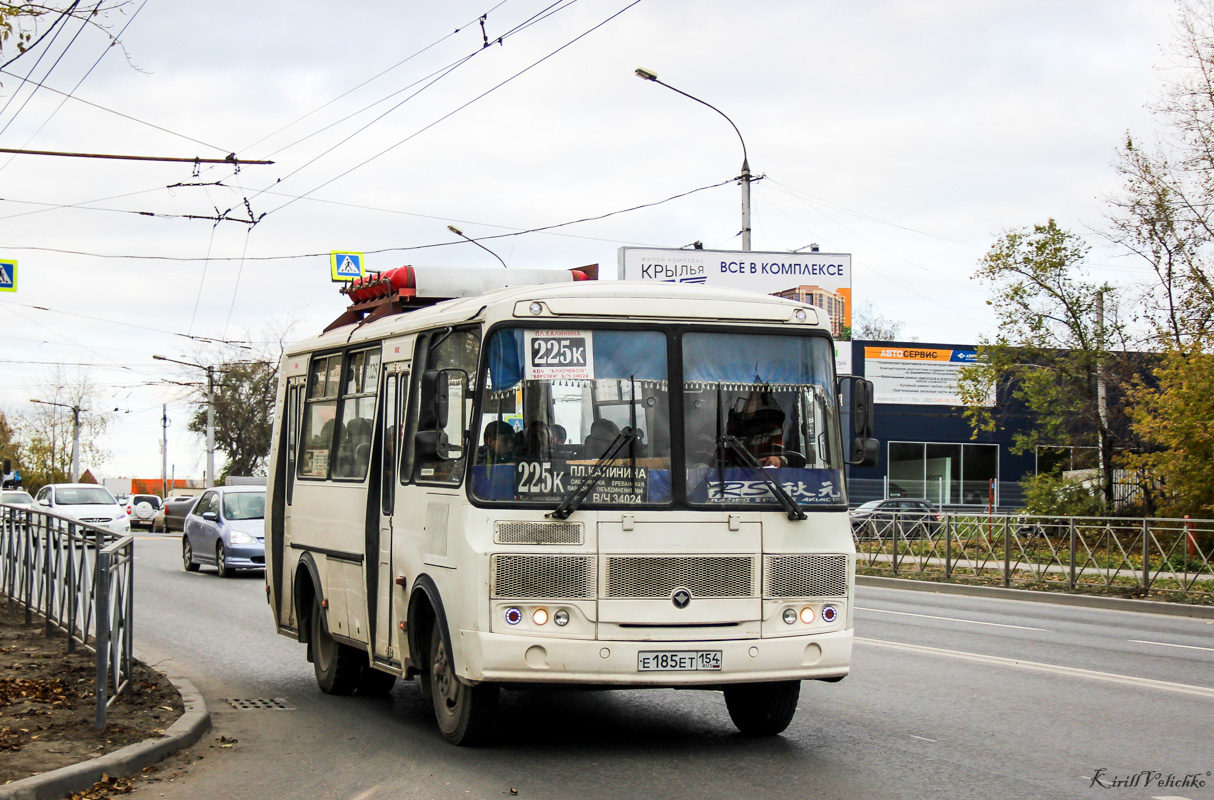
210	515
864	451
434	445
435	403
864	448
862	408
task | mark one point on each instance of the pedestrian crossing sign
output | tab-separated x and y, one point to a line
8	276
345	266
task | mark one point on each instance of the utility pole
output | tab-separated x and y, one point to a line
1102	403
210	426
744	178
164	452
75	474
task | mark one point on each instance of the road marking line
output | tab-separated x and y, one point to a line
1145	683
1169	644
953	619
924	738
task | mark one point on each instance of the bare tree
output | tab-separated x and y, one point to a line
867	323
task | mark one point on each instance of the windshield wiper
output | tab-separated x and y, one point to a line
730	441
578	493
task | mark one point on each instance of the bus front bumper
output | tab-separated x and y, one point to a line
490	657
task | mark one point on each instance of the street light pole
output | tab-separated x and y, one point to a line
209	480
744	178
75	435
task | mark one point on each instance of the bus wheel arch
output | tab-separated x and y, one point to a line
464	712
306	588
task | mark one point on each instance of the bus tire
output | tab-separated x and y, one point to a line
762	709
337	665
465	713
375	683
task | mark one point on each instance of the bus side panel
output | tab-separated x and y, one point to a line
321	522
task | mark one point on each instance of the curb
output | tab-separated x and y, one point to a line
59	783
1057	598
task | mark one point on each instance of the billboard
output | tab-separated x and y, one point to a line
924	376
820	279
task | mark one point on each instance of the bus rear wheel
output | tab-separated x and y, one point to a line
464	712
762	709
337	665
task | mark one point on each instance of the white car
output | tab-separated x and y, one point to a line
86	502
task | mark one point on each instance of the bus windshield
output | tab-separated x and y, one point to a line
584	416
555	404
760	411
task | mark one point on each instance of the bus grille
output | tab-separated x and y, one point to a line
524	577
659	576
805	576
537	533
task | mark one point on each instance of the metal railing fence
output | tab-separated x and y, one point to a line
1170	558
80	579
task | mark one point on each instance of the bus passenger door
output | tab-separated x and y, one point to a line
395	379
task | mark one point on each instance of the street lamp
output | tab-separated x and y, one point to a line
463	235
744	178
75	434
210	476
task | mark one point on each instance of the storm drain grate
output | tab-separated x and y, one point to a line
260	704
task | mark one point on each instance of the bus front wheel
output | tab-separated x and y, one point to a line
337	665
464	712
762	709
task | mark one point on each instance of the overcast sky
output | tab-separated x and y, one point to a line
909	134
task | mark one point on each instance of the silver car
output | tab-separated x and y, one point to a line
226	528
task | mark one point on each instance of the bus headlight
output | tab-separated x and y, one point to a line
539	616
513	616
790	616
829	613
807	614
561	617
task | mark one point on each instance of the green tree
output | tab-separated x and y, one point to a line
10	445
1165	214
244	414
1173	415
1058	348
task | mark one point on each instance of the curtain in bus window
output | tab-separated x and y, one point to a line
723	357
617	354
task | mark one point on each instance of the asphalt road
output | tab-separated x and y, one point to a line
949	696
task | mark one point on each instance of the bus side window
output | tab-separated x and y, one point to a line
391	437
292	435
446	350
320	416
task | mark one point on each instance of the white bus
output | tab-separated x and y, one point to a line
590	483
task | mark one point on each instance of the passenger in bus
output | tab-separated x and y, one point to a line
499	443
559	434
758	423
535	442
602	434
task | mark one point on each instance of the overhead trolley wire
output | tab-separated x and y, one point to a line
58	29
441	73
84	77
361	85
453	112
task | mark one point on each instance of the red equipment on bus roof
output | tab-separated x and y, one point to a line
408	288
